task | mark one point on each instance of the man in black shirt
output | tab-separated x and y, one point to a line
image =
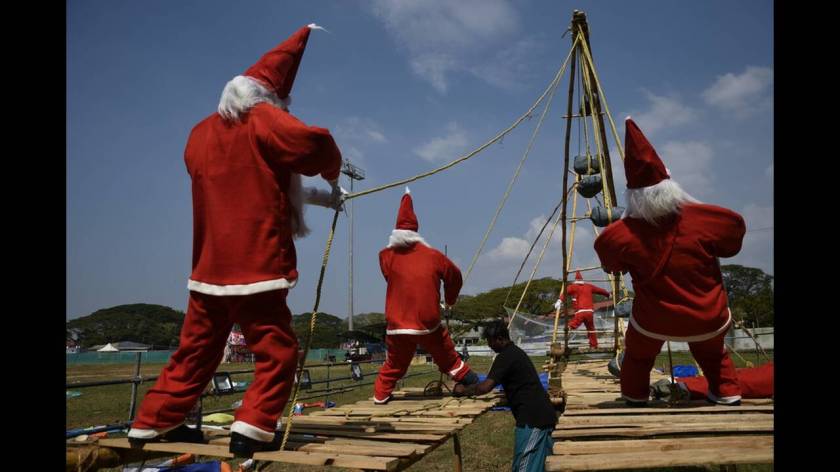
535	415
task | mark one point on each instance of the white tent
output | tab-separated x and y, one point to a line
108	348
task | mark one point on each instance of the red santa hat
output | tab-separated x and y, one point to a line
277	68
578	277
642	165
406	219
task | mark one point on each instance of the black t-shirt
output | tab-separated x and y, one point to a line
527	398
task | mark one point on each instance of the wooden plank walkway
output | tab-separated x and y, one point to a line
598	432
361	435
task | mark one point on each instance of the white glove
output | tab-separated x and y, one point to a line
337	197
314	196
558	304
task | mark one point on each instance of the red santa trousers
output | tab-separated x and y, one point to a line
755	382
587	318
266	324
401	349
640	354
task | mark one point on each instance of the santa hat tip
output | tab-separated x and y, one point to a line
628	118
313	26
407	190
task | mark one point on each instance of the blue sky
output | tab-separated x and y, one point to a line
404	86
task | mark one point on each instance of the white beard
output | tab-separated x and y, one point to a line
404	238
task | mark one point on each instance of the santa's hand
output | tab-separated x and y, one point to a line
558	304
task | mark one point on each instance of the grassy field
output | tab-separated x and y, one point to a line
487	444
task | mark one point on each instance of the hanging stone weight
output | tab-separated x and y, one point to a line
589	186
601	219
623	309
586	165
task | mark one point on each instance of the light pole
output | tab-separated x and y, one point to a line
354	173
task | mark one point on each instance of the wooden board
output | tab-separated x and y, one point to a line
599	432
358	436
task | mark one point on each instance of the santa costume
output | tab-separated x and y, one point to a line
581	293
245	163
414	271
670	244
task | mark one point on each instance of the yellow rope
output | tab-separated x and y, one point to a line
512	182
536	266
568	263
311	329
498	137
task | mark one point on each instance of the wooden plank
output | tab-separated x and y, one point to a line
292	457
651	459
644	445
676	410
571	421
411	437
669	429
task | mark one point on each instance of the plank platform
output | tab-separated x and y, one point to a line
599	432
361	435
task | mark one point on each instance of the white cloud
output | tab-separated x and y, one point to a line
509	68
442	36
664	112
742	94
355	134
689	163
444	148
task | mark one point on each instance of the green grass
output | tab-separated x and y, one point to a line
486	445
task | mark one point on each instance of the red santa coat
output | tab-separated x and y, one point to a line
242	213
676	275
414	274
582	295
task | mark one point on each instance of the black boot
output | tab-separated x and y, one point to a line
182	433
243	446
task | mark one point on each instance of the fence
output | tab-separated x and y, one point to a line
161	357
334	385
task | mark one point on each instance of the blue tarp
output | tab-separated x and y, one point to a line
685	371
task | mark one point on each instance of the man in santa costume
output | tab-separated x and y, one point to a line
670	243
245	162
414	271
581	293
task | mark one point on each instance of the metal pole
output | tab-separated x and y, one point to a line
134	387
350	298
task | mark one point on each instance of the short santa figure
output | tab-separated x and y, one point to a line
414	271
670	244
581	293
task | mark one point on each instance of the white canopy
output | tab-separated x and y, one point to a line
108	348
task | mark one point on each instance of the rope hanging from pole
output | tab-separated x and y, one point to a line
312	319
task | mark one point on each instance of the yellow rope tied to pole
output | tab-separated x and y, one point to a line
484	146
568	264
324	261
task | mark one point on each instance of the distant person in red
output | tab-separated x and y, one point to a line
670	243
755	382
245	163
414	271
581	293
